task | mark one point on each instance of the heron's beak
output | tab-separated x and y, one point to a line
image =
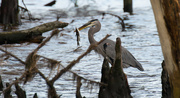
89	24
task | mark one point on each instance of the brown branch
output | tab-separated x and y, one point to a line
16	81
122	21
91	47
13	56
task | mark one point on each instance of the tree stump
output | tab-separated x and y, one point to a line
117	82
128	6
9	13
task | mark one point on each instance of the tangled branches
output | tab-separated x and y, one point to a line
31	68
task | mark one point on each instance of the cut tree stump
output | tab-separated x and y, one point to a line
30	35
167	16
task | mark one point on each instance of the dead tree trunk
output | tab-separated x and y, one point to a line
128	6
117	82
9	13
168	24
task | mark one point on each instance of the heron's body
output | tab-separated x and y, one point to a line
108	51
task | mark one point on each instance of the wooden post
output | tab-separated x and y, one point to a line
9	13
128	7
167	16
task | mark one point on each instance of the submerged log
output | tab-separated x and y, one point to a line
29	34
117	82
167	16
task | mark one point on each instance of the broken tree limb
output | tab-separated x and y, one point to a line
29	34
167	18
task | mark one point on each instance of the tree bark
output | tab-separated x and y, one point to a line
168	24
9	13
117	82
34	33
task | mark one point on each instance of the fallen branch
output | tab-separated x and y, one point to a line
122	21
31	34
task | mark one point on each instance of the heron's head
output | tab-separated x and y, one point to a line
89	24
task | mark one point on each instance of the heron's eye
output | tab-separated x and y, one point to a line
93	26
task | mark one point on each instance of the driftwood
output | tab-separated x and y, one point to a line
117	82
168	24
30	35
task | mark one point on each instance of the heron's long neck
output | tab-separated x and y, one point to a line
91	33
91	37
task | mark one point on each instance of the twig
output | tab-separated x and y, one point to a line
29	14
13	56
122	21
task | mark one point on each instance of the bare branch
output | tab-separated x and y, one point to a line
13	56
122	21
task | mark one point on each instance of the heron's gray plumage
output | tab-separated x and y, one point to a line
107	48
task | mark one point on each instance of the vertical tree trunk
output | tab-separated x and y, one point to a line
167	15
9	12
128	7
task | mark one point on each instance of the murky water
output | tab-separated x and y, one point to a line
141	40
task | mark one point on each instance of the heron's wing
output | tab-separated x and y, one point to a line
107	52
129	59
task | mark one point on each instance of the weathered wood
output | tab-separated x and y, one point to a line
128	6
117	82
29	34
9	13
168	24
166	89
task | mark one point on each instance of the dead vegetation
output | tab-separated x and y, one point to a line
31	70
